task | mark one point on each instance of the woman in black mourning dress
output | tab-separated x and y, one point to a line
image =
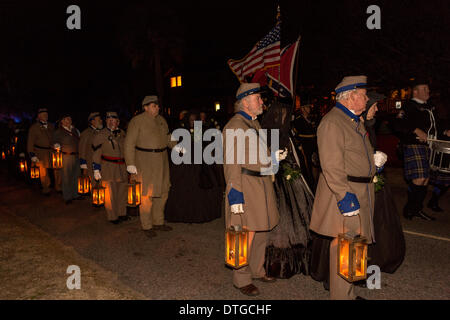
287	251
196	191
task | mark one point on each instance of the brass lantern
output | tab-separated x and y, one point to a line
34	171
352	256
23	165
57	159
236	247
84	185
98	195
134	194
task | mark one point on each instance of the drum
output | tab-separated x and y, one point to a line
440	155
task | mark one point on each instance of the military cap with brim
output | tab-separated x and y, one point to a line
150	99
351	83
92	115
65	115
247	89
42	110
112	114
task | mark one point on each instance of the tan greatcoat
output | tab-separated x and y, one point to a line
39	136
103	141
147	132
260	204
344	149
86	147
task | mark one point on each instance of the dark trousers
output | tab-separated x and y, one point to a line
69	176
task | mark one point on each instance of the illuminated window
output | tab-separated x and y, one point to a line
175	81
217	104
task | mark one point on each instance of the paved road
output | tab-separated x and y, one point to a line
187	263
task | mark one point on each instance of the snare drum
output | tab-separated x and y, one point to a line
440	155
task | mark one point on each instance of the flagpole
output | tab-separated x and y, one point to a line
294	97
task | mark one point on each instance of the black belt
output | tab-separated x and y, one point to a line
70	153
252	173
360	179
150	150
39	147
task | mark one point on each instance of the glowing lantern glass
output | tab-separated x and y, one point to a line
23	165
3	155
98	195
134	194
57	159
34	172
84	185
13	150
236	247
352	257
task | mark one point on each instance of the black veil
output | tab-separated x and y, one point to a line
278	116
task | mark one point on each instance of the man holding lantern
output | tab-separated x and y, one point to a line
39	148
66	139
146	157
108	163
86	147
250	197
345	196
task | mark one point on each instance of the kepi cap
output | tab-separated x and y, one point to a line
92	115
41	110
247	89
150	99
350	83
112	114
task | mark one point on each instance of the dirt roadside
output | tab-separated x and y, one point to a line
33	265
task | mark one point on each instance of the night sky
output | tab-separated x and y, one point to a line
110	63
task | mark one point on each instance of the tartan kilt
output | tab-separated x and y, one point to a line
416	163
439	178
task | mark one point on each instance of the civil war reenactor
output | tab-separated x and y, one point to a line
86	147
345	188
251	201
109	166
146	156
39	147
67	138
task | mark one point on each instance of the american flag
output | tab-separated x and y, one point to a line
265	54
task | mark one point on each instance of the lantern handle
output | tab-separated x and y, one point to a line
343	222
241	226
131	177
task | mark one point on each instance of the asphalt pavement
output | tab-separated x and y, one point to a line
187	262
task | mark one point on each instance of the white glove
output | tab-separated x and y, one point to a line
97	175
83	166
237	208
34	159
179	149
132	169
281	154
380	158
351	214
57	146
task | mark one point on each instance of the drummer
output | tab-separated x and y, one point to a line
413	130
440	178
